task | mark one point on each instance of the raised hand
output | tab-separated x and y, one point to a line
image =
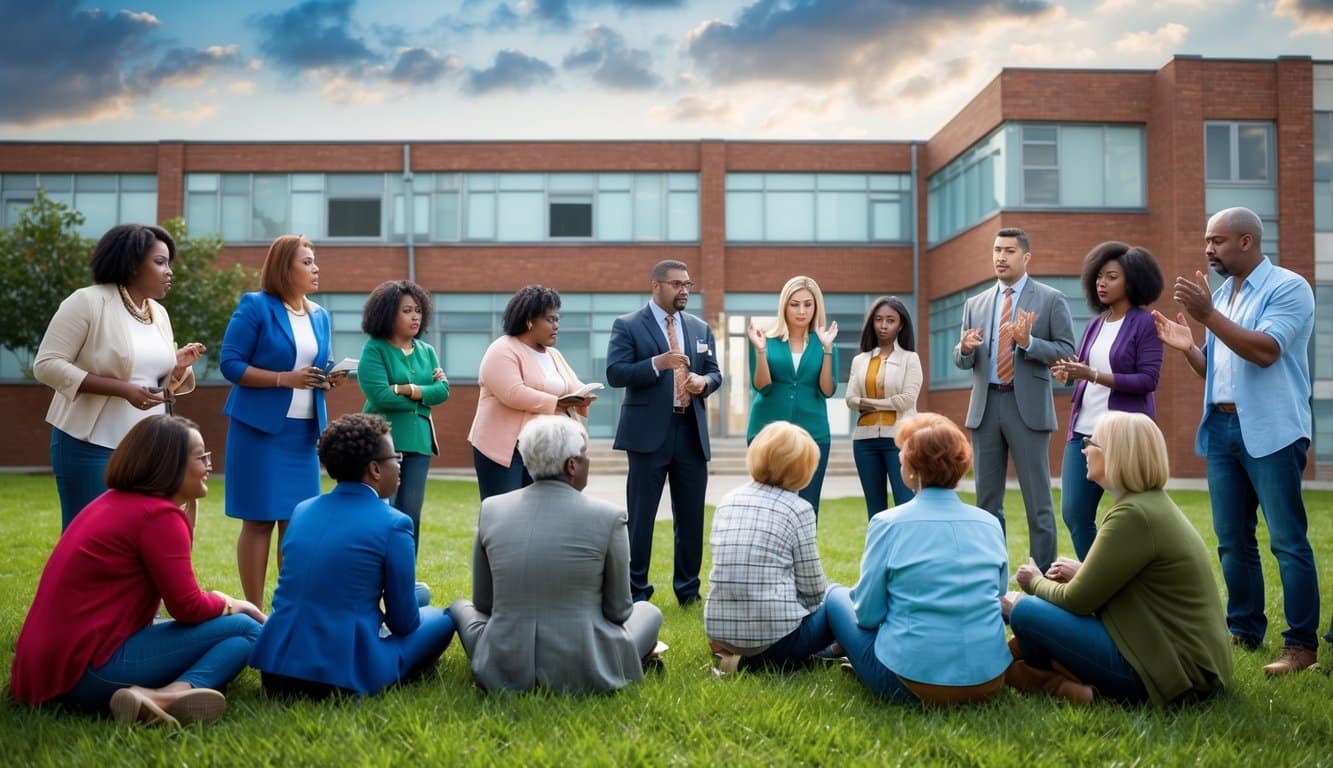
1021	328
970	340
189	354
1175	334
827	334
1195	296
757	338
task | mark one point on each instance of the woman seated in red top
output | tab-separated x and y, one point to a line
89	642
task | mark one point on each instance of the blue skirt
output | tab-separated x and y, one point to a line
267	475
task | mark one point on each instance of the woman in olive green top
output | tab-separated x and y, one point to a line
792	370
402	379
1140	619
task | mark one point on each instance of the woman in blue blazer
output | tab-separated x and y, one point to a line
1117	369
793	369
344	554
274	353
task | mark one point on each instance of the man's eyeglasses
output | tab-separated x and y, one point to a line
676	285
1087	443
207	458
395	456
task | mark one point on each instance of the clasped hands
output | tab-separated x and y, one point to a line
1062	570
311	377
1020	330
694	383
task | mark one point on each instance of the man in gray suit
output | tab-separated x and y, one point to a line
1011	335
551	602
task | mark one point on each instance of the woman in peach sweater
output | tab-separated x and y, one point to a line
522	375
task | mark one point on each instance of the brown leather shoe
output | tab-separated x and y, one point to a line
1293	659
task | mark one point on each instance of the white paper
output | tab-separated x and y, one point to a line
347	364
586	389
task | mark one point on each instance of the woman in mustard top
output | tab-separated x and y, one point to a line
791	371
883	385
401	378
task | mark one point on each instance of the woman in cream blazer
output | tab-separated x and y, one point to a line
522	375
111	358
882	387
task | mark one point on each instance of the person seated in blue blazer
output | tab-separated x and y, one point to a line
344	553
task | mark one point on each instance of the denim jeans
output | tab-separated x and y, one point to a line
811	492
493	479
810	637
1079	497
877	458
206	655
859	645
411	493
80	470
1049	633
1239	484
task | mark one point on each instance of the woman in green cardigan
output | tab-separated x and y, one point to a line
1140	619
402	379
792	370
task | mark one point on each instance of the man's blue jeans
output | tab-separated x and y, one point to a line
206	655
877	458
1079	497
1049	633
859	645
1238	485
811	636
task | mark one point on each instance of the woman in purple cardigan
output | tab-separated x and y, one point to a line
1116	369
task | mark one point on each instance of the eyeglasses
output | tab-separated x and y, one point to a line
1087	443
207	458
676	285
395	456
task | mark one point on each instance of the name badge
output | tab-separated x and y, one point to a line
701	347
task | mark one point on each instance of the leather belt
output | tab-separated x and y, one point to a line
1002	387
1225	407
680	409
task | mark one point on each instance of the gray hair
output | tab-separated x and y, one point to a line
1242	220
546	442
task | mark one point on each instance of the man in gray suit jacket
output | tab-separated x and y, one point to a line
1011	409
551	602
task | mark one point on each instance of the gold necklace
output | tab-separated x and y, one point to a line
143	314
298	312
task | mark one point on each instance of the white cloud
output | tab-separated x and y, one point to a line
245	87
1159	42
1310	17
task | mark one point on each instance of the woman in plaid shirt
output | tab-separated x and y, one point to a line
766	606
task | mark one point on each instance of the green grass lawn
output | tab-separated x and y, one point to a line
682	716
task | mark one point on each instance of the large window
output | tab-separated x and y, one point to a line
104	199
1240	172
819	207
1038	166
448	207
1323	171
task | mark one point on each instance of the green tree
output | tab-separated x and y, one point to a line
203	295
43	259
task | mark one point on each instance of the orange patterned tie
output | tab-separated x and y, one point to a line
682	396
1004	354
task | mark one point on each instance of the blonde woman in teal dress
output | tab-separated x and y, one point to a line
401	378
793	369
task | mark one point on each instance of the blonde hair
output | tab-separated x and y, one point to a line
1133	452
798	283
784	455
934	449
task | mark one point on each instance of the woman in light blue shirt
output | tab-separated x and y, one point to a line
923	623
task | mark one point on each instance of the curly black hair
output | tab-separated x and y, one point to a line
122	249
350	443
381	309
1143	277
528	304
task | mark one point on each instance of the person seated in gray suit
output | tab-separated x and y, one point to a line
551	604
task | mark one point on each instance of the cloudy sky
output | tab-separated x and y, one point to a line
578	69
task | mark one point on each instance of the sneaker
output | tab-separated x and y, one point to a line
1293	659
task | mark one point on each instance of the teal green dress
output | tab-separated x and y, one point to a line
794	395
